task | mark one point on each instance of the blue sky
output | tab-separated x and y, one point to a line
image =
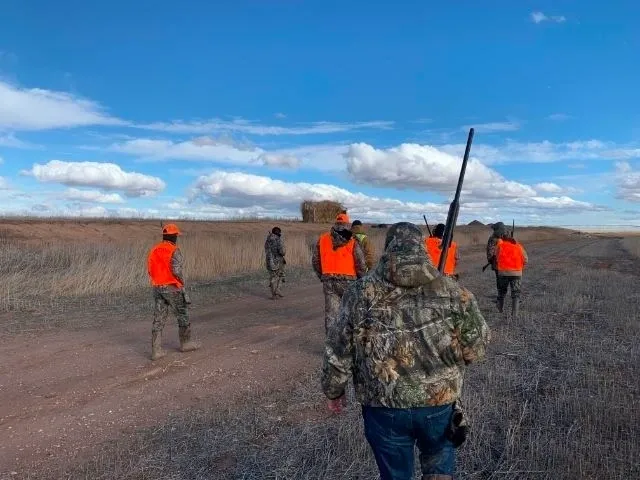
227	109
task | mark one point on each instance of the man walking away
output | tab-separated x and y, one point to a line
434	250
274	253
165	268
367	247
338	260
511	258
498	229
405	334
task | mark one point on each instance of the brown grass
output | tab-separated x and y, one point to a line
555	398
58	258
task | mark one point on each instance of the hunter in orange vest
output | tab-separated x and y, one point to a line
432	244
338	260
510	259
164	266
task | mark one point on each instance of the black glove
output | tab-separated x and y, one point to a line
458	428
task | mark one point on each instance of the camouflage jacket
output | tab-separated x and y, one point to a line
274	252
404	332
491	247
338	241
366	245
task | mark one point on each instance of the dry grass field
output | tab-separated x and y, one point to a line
44	262
555	398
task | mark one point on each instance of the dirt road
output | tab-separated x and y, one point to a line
64	392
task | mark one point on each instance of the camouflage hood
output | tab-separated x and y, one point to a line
405	262
340	235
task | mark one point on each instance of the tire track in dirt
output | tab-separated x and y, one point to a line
63	393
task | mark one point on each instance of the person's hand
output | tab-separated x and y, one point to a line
337	405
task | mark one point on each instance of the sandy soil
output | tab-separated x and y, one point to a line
62	393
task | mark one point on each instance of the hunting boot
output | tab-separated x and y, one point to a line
515	308
186	345
156	346
500	304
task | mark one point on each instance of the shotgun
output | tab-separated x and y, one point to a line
454	208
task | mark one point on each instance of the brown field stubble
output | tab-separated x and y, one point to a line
45	261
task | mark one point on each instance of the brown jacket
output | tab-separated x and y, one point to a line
367	246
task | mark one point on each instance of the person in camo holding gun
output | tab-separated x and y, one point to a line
165	268
405	333
433	243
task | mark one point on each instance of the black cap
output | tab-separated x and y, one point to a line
356	223
439	230
276	230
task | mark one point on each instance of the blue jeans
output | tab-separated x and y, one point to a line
392	434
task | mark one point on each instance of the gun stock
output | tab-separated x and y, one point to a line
454	208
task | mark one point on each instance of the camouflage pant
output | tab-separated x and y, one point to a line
333	291
166	300
505	282
276	277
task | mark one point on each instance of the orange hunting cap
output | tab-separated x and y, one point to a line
343	218
171	229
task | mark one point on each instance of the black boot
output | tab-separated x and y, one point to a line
515	308
186	345
156	346
500	304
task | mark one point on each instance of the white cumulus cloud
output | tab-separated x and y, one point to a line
628	182
423	167
548	187
226	194
92	196
39	109
546	151
107	176
241	190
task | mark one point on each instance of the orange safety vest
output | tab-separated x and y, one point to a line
434	251
159	265
339	261
510	257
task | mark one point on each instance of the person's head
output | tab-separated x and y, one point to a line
356	223
342	219
439	230
403	236
498	228
276	231
170	233
506	235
